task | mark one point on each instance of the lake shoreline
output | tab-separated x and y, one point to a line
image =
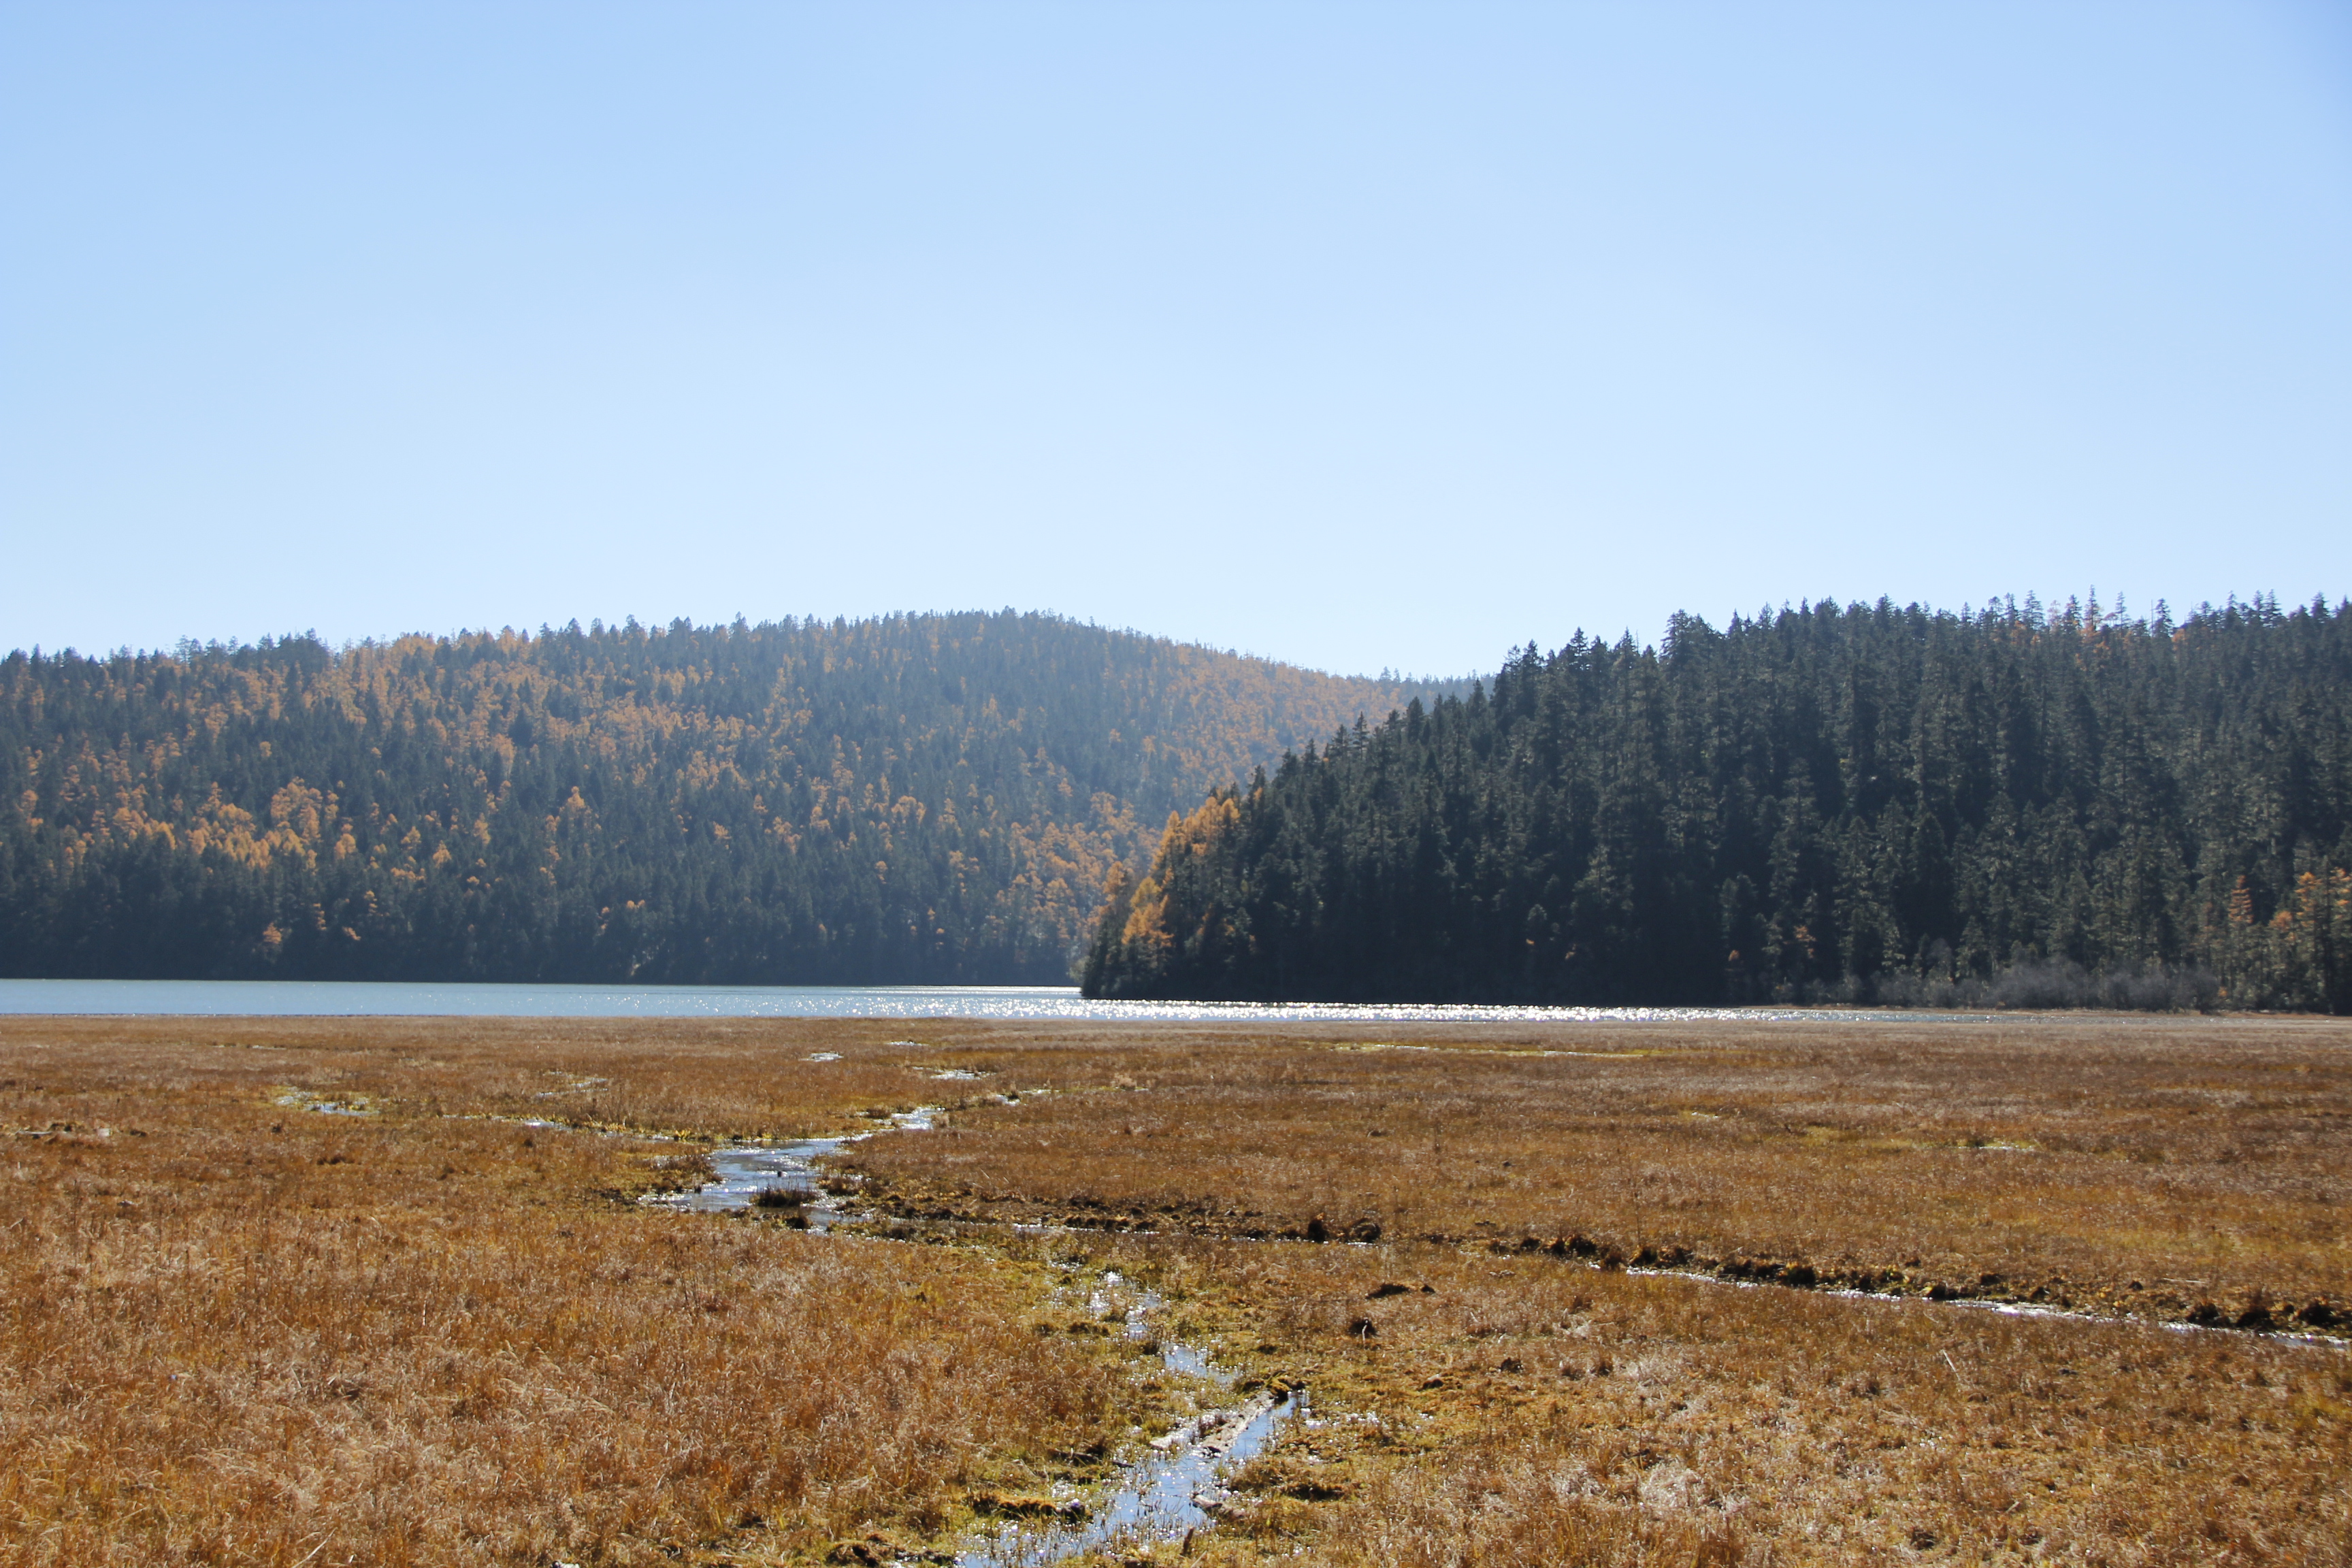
1018	1004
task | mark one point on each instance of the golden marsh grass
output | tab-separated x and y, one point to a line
240	1330
2129	1164
1519	1411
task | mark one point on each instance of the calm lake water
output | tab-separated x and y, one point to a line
328	998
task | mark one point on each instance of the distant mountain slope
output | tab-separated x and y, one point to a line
919	798
1858	803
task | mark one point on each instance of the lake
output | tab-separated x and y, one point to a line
336	998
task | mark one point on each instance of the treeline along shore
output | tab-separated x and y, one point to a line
916	798
1832	802
1837	804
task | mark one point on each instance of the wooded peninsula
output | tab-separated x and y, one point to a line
1859	804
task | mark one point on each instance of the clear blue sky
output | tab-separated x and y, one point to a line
1351	334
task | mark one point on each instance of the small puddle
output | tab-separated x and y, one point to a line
1164	1497
1175	1489
303	1099
745	1172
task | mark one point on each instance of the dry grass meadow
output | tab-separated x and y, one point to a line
2155	1166
239	1329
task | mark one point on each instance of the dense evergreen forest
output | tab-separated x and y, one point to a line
1865	804
930	798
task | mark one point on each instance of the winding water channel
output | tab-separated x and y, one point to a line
746	1175
1169	1492
1166	1493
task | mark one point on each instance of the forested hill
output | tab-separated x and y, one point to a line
1866	802
926	798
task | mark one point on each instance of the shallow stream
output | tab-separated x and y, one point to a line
1173	1489
1177	1484
745	1172
1168	1491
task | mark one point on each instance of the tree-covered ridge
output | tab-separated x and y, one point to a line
1864	802
926	798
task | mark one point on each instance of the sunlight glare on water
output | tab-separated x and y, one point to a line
362	998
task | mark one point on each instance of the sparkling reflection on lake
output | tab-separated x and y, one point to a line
333	998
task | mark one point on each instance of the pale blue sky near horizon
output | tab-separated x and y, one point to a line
1358	335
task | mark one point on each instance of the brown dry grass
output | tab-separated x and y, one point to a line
721	1078
2129	1164
1534	1413
240	1331
236	1331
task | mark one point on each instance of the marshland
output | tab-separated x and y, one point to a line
828	951
1856	1290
